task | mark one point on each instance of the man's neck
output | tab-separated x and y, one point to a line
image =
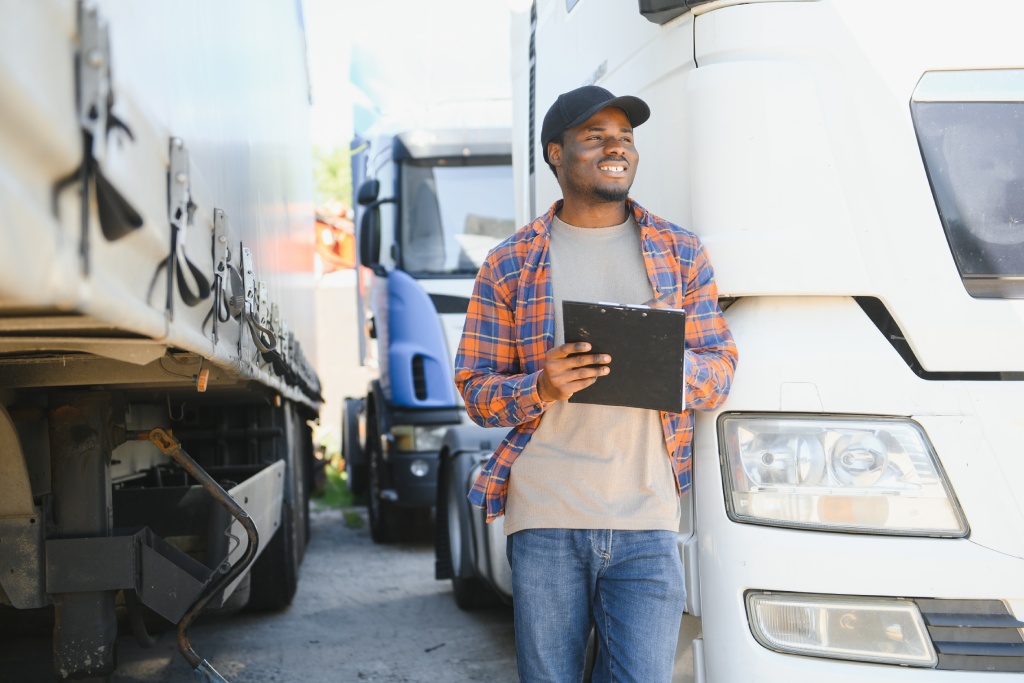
591	215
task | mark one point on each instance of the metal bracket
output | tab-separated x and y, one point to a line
221	243
193	284
280	365
248	279
275	316
225	279
262	303
93	72
177	214
166	579
256	311
249	301
284	339
178	185
21	560
249	309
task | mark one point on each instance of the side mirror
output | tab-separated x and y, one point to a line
368	192
368	237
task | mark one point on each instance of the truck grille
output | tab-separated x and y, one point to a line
974	635
419	378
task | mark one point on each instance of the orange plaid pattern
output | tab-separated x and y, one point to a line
510	326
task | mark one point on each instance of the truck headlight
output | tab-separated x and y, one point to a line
418	438
881	630
877	475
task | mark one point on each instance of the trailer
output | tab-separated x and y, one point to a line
434	194
855	170
156	316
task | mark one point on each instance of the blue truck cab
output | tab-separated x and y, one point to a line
431	203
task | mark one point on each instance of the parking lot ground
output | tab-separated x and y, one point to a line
363	612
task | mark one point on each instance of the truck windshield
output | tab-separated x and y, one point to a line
452	215
974	155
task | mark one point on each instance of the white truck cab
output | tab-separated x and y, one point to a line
855	169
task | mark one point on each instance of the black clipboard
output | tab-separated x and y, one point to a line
647	350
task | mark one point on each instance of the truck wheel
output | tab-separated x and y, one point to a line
473	594
275	574
385	525
470	592
356	475
302	481
351	451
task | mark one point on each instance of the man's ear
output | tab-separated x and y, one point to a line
555	154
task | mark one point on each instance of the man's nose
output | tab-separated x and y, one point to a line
614	146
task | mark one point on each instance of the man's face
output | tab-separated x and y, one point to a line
597	160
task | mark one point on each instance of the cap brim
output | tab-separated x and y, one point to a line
636	110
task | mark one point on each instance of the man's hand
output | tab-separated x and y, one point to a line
563	374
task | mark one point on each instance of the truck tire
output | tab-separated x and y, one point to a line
385	525
470	592
275	574
303	479
351	451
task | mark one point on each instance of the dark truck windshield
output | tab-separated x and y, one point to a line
452	215
970	126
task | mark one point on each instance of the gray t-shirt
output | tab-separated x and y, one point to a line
590	466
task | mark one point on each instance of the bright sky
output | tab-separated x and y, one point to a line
401	55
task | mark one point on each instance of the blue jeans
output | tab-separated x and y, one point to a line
627	584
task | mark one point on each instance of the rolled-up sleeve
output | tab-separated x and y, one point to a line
488	372
711	353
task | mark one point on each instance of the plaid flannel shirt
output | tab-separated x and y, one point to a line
510	326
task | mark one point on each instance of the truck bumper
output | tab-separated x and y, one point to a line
754	663
414	478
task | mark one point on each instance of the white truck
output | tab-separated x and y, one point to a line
855	169
155	316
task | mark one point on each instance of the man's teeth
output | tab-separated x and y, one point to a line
613	168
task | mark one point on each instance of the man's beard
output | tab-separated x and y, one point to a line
609	194
600	195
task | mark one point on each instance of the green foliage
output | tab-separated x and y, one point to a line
353	520
335	492
332	174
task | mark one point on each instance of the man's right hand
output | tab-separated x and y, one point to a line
564	374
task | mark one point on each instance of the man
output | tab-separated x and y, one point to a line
590	493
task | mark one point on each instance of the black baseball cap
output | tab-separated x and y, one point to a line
576	106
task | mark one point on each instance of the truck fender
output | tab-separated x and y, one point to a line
419	371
